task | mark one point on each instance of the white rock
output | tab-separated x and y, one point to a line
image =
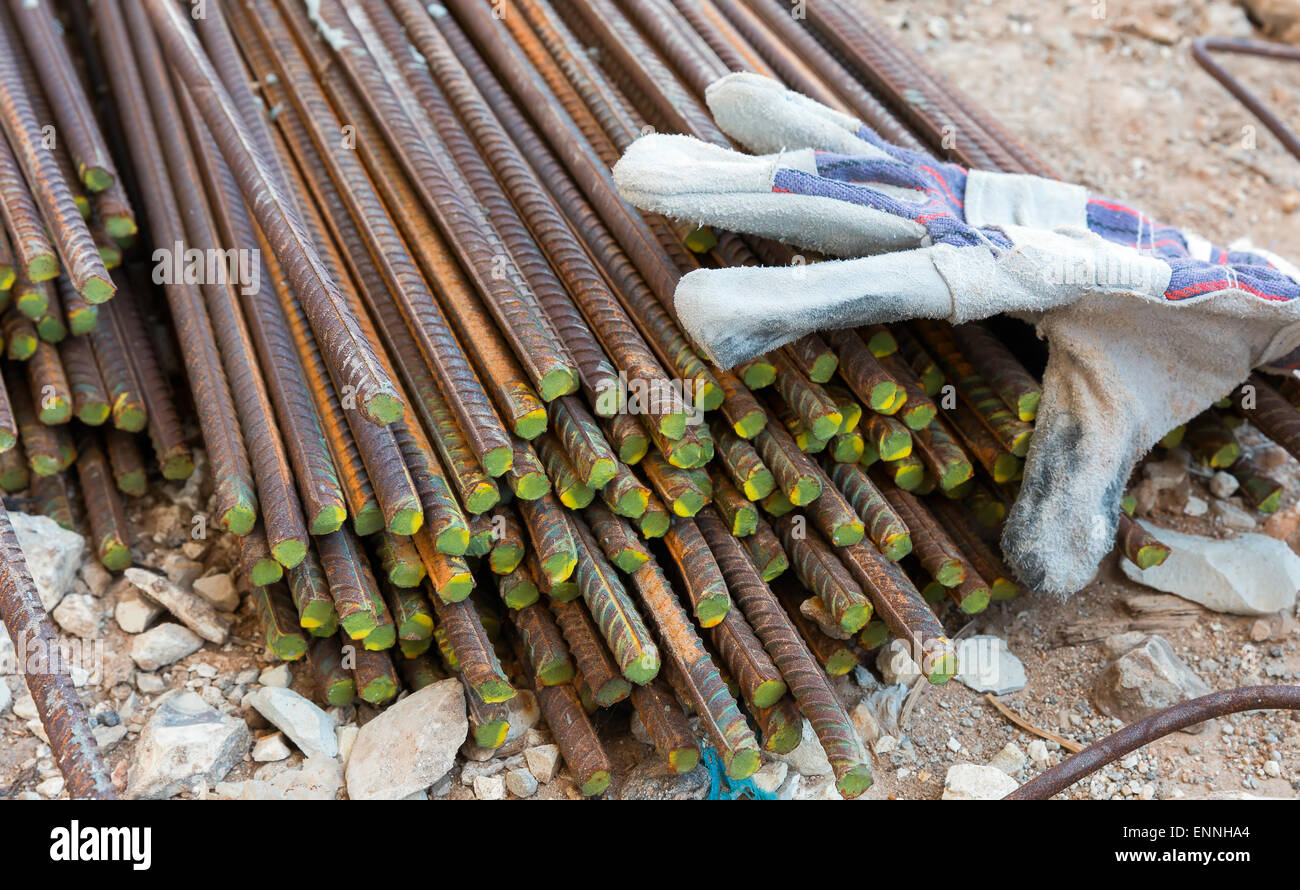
96	577
953	745
185	745
279	676
319	778
1223	485
885	744
542	761
771	776
134	613
985	664
219	590
163	645
489	788
521	783
149	684
1148	678
1010	759
865	722
79	614
1232	516
25	707
1273	768
51	787
306	725
6	697
1038	752
193	611
410	745
970	781
108	737
808	758
895	663
271	748
52	553
347	737
1247	575
1196	506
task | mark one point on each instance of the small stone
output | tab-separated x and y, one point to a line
489	788
51	787
6	697
1260	631
808	758
1144	680
1247	575
865	722
1010	759
163	645
319	778
79	614
895	663
204	670
271	748
1196	506
542	761
25	707
1223	485
148	683
410	745
96	577
885	744
185	745
180	569
279	676
347	737
953	745
521	783
770	776
1038	752
52	553
655	780
1231	516
219	590
134	613
192	611
1273	769
108	737
985	664
970	781
306	725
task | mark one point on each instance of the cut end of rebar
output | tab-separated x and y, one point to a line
595	784
854	781
672	426
505	558
690	503
633	449
456	588
531	425
1004	589
32	303
482	497
317	616
379	690
43	267
368	522
54	411
909	477
876	633
358	625
827	425
894	445
180	466
266	571
531	486
98	290
686	456
976	601
758	374
841	662
759	484
775	568
855	617
745	522
743	763
44	465
612	691
114	555
495	690
1151	555
128	418
823	368
806	490
918	417
643	668
683	760
6	277
951	573
602	470
406	521
559	566
382	637
385	408
577	496
887	397
712	609
784	739
558	382
1027	406
632	504
556	672
1020	444
407	575
82	321
847	449
522	595
330	519
630	560
96	179
120	227
22	347
708	395
491	734
955	474
340	693
702	240
943	670
768	693
655	525
7	441
498	460
239	519
290	552
848	533
453	540
750	425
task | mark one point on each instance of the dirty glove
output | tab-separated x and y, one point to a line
1148	325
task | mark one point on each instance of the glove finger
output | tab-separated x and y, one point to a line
765	117
775	196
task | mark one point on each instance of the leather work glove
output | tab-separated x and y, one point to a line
1147	325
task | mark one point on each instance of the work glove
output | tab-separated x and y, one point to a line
1147	324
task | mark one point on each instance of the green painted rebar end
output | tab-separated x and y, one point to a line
531	425
22	347
483	497
329	519
495	690
686	456
655	525
456	588
848	533
82	321
1151	555
759	485
785	739
479	543
266	571
823	368
944	669
317	615
98	290
977	601
775	568
854	781
358	625
7	277
110	256
1027	407
32	303
385	408
491	734
919	417
827	425
758	374
531	486
51	329
96	178
602	470
768	693
368	522
382	637
909	477
406	521
745	522
895	445
555	673
805	491
702	240
712	609
596	784
340	693
897	546
128	419
683	760
453	540
559	566
841	663
876	633
556	383
743	763
406	575
7	440
239	519
689	504
956	474
630	560
673	426
288	647
522	595
114	555
1020	444
633	449
855	617
55	412
505	558
498	460
952	573
886	397
181	466
750	425
1004	589
614	690
379	690
119	227
633	504
709	396
44	465
43	268
643	669
577	496
290	552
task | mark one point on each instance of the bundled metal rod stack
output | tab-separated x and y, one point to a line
446	403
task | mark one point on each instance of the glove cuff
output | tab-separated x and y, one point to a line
1017	199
